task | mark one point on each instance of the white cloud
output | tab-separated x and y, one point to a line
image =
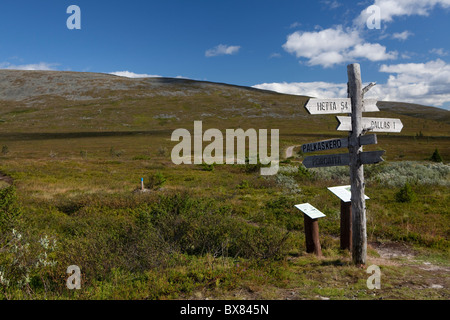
333	46
312	89
310	44
440	52
331	4
222	49
35	66
422	83
372	51
390	9
295	25
402	35
275	55
129	74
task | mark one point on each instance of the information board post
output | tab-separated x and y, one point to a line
312	236
344	194
311	216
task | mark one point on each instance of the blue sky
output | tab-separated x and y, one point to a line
299	47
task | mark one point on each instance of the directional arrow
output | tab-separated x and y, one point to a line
336	143
371	124
338	105
342	159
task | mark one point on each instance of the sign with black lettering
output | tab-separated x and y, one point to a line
342	159
336	143
371	124
338	105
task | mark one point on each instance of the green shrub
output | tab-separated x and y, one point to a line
207	167
10	209
156	181
243	185
141	157
405	194
115	153
287	183
436	157
28	264
303	172
396	174
5	150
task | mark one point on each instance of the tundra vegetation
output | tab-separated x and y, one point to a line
71	162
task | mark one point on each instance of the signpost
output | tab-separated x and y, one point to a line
336	143
311	215
354	105
337	105
342	159
372	124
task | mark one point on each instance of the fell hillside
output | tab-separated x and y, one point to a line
415	110
42	105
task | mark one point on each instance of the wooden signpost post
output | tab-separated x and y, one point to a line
354	105
311	215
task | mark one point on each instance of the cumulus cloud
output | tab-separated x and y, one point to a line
402	35
390	9
425	83
34	66
129	74
439	51
222	49
311	89
295	25
333	46
331	4
275	55
422	83
372	51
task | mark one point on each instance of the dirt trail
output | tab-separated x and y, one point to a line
412	274
290	151
4	177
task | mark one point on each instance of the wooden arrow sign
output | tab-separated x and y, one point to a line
342	159
338	105
336	143
371	124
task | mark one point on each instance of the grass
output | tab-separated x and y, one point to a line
75	201
208	231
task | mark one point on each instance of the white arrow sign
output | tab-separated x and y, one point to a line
336	143
342	159
338	105
371	124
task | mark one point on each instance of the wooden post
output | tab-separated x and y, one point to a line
346	225
142	184
312	236
359	236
